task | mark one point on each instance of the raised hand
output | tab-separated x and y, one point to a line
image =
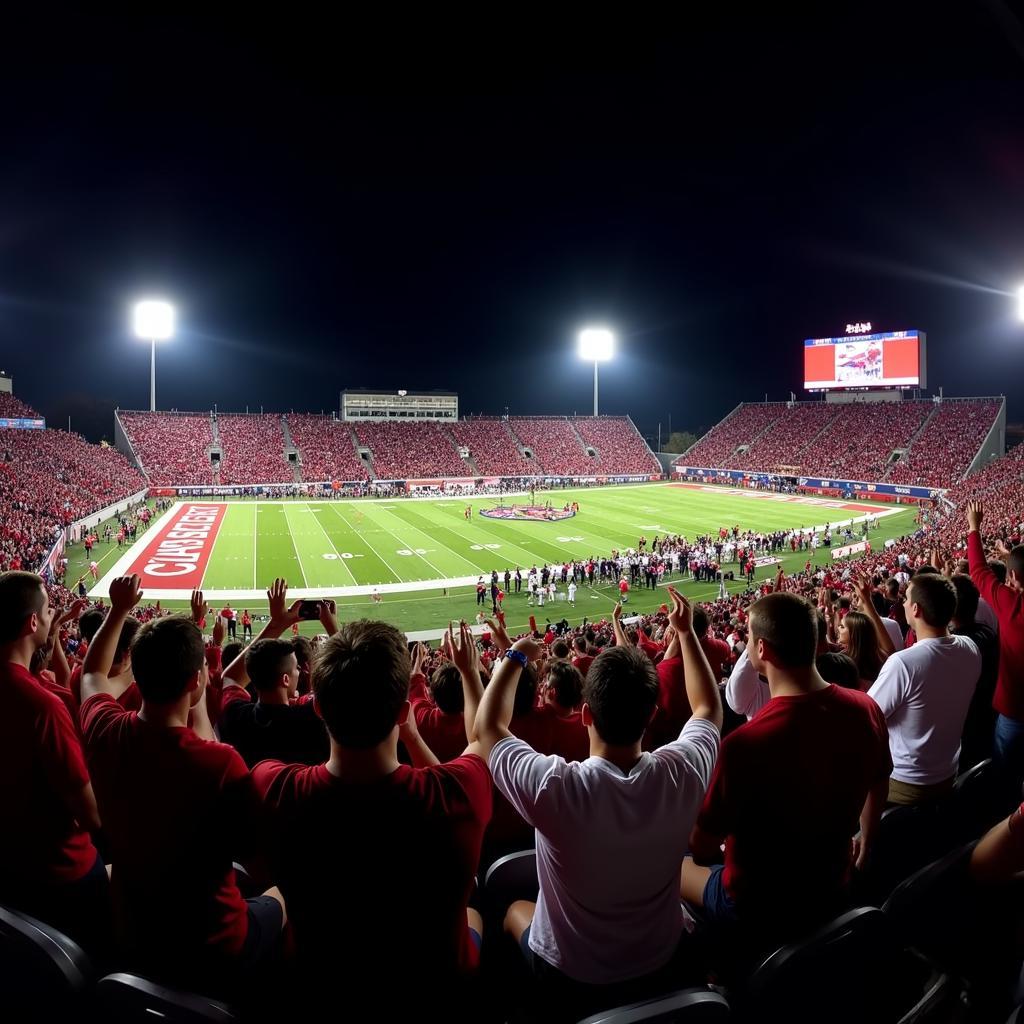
975	514
462	649
680	617
329	616
501	638
219	629
198	605
125	594
280	614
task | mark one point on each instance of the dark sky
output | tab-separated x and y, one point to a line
443	204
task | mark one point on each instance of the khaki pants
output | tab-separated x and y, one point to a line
903	793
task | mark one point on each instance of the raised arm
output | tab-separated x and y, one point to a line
282	617
495	711
464	656
701	685
995	593
862	585
621	640
125	594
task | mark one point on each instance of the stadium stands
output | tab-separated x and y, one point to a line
620	448
326	449
788	437
14	408
409	450
555	445
173	448
740	427
491	447
252	450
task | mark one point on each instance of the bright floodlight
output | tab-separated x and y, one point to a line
597	344
153	320
1020	302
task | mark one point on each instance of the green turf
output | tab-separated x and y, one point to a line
369	543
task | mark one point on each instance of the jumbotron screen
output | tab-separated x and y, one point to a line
894	359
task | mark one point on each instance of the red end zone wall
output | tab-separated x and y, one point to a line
177	555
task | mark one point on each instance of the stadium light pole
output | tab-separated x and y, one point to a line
597	345
153	321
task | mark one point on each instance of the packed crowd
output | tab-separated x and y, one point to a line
788	439
404	450
620	449
555	445
172	449
491	447
252	450
326	449
15	408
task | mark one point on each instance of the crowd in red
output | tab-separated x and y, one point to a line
788	438
620	448
740	427
252	450
491	447
404	450
173	449
555	445
326	449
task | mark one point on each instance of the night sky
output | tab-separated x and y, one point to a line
442	205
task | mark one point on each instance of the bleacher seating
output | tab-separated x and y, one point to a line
12	408
620	448
555	445
786	439
491	447
173	448
252	450
740	427
409	450
325	448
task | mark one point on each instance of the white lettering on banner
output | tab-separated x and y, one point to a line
156	568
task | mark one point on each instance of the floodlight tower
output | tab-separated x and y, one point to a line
597	345
153	321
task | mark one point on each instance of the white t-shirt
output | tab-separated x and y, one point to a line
987	616
609	847
746	692
892	627
924	693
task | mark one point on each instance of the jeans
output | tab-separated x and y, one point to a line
1009	750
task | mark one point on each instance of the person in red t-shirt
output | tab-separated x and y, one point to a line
173	800
228	614
49	867
246	624
717	651
582	660
788	790
623	590
370	845
437	706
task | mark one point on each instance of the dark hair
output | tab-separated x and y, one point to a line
90	622
21	595
361	681
580	644
925	570
862	647
526	691
230	652
935	596
124	641
567	682
893	586
264	662
1015	561
700	621
839	669
788	624
446	687
303	648
166	654
999	568
966	600
560	649
621	690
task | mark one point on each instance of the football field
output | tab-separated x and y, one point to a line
418	553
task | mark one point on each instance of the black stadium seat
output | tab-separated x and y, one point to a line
127	999
687	1006
854	969
980	800
511	878
42	972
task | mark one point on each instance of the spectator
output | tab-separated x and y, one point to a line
594	927
924	693
49	867
172	802
438	707
788	789
399	844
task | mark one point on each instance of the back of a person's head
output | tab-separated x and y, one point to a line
526	691
231	651
90	622
166	654
838	668
446	688
700	621
581	644
560	649
266	661
935	597
361	681
925	570
566	682
999	568
124	641
788	623
621	690
302	647
1015	562
967	596
21	595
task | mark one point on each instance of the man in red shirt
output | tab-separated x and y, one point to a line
717	651
228	614
582	659
1007	601
437	707
373	846
49	867
173	807
788	790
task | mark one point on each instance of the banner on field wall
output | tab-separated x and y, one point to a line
849	549
812	481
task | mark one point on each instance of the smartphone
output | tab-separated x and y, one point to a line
310	609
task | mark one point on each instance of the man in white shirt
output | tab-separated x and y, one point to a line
572	593
611	830
924	693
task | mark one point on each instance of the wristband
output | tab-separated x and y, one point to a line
517	656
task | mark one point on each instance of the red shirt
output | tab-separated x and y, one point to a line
1009	608
717	652
583	663
673	706
443	732
48	681
41	771
401	849
786	796
227	613
623	587
170	803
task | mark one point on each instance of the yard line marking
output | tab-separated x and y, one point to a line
367	543
255	534
333	545
305	582
406	547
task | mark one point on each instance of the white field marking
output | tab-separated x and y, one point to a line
366	541
255	535
334	547
132	552
305	582
406	546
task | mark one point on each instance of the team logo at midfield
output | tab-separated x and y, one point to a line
534	513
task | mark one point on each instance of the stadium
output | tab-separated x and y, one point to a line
462	696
